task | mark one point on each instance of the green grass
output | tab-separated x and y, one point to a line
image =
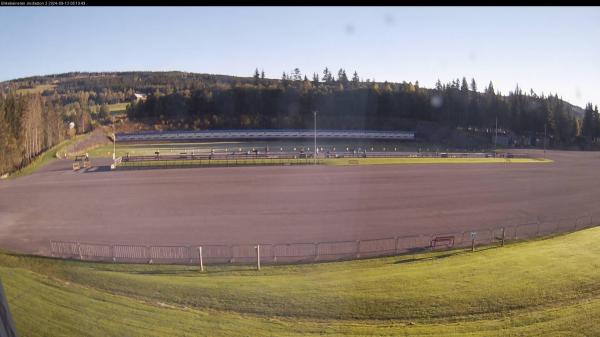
548	288
42	160
117	107
106	150
395	161
38	89
329	162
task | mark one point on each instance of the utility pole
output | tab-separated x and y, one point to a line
114	138
257	247
496	137
201	262
545	126
315	122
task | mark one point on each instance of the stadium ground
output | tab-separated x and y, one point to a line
287	204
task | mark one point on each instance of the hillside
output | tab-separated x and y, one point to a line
141	81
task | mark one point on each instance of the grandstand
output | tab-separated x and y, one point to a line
264	134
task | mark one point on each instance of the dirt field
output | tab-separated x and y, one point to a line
288	204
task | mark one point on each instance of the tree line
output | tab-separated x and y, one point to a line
35	111
349	103
29	125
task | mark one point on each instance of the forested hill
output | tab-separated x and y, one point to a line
35	111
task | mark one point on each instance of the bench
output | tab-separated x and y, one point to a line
447	240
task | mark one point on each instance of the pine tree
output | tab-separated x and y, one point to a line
588	127
327	77
256	76
297	76
490	89
315	80
342	78
284	80
464	87
355	79
473	85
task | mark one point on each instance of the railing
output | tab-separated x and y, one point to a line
273	253
239	158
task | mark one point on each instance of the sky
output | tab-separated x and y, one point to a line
547	49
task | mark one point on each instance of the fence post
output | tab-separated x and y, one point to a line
316	251
537	232
231	253
201	262
149	254
396	245
51	248
79	251
502	244
112	253
358	249
257	257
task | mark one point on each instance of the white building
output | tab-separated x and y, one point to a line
139	97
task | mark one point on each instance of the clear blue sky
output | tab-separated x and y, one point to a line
546	49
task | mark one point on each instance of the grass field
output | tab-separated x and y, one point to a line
544	288
117	107
395	161
37	89
332	161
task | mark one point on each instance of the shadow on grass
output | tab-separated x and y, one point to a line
196	272
444	254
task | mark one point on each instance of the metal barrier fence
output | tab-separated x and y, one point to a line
172	162
271	253
240	158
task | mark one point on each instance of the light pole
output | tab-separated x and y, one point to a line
545	124
114	139
315	122
496	136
